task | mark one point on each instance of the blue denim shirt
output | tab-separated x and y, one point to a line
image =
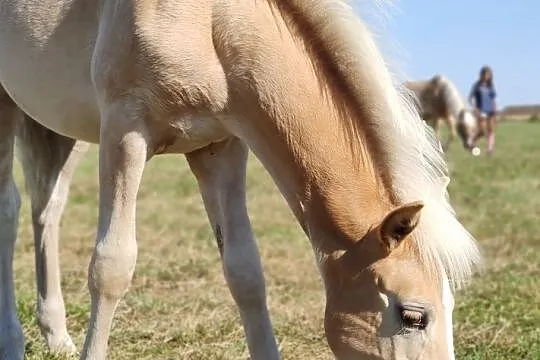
484	97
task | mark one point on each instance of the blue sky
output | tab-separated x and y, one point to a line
457	37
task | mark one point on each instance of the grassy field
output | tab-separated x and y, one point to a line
180	308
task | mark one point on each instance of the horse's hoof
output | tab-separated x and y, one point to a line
61	345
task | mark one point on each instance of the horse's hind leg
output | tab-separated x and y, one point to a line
220	170
11	336
48	160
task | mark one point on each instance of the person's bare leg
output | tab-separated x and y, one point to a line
481	130
491	123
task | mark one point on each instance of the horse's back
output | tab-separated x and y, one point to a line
429	98
62	56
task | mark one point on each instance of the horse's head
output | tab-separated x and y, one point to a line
383	300
467	127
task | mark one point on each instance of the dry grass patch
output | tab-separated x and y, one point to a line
179	306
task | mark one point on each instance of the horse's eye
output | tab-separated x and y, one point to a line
413	317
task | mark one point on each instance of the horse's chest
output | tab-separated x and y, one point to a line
188	133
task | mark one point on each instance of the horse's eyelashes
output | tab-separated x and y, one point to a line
414	319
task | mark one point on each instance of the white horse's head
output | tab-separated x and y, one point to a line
467	127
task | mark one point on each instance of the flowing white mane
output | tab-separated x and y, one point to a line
451	95
412	155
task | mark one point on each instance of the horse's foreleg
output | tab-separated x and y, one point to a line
48	160
221	170
122	156
452	132
11	336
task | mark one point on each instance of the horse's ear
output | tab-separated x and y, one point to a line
399	223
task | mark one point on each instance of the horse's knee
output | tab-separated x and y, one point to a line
111	269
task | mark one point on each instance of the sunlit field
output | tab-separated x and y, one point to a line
179	306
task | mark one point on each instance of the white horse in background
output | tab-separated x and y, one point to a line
439	100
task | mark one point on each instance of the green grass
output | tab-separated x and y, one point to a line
498	198
179	306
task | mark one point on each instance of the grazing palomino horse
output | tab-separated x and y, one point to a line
438	98
303	86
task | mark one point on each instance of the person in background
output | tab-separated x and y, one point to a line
482	98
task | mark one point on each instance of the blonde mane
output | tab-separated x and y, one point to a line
411	156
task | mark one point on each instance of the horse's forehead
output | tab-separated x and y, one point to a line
469	118
407	277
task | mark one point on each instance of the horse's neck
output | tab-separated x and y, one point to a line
336	194
296	130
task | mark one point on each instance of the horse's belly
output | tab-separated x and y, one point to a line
45	63
65	111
